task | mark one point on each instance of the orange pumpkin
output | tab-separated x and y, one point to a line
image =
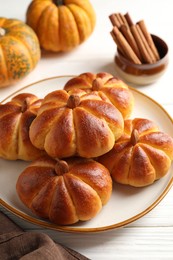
19	50
61	24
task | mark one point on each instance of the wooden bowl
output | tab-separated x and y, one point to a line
143	74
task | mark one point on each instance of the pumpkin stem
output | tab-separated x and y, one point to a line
61	167
134	137
25	105
58	2
97	84
2	32
73	101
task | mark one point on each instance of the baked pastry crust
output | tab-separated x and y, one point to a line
76	123
16	117
115	90
65	191
142	155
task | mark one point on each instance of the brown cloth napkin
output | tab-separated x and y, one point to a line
16	244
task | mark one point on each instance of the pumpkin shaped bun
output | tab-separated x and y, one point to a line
61	25
19	51
118	93
65	191
76	123
16	117
142	155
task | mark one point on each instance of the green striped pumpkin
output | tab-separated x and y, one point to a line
19	51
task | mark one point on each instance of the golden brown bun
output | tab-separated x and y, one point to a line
65	191
16	117
113	88
76	123
141	156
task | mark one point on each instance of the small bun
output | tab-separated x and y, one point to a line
142	155
65	191
76	123
16	117
114	89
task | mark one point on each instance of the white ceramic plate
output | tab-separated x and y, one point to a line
126	205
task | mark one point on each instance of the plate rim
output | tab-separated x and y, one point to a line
70	228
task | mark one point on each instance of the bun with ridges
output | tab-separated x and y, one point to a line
16	117
142	155
76	123
115	90
65	192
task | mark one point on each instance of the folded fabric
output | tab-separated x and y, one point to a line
17	244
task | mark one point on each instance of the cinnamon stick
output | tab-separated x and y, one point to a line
125	46
144	53
124	20
120	19
133	40
129	37
149	39
114	20
128	19
118	44
147	47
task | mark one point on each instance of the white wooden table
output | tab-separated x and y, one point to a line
150	237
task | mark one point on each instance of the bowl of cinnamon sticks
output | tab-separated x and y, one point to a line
141	57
